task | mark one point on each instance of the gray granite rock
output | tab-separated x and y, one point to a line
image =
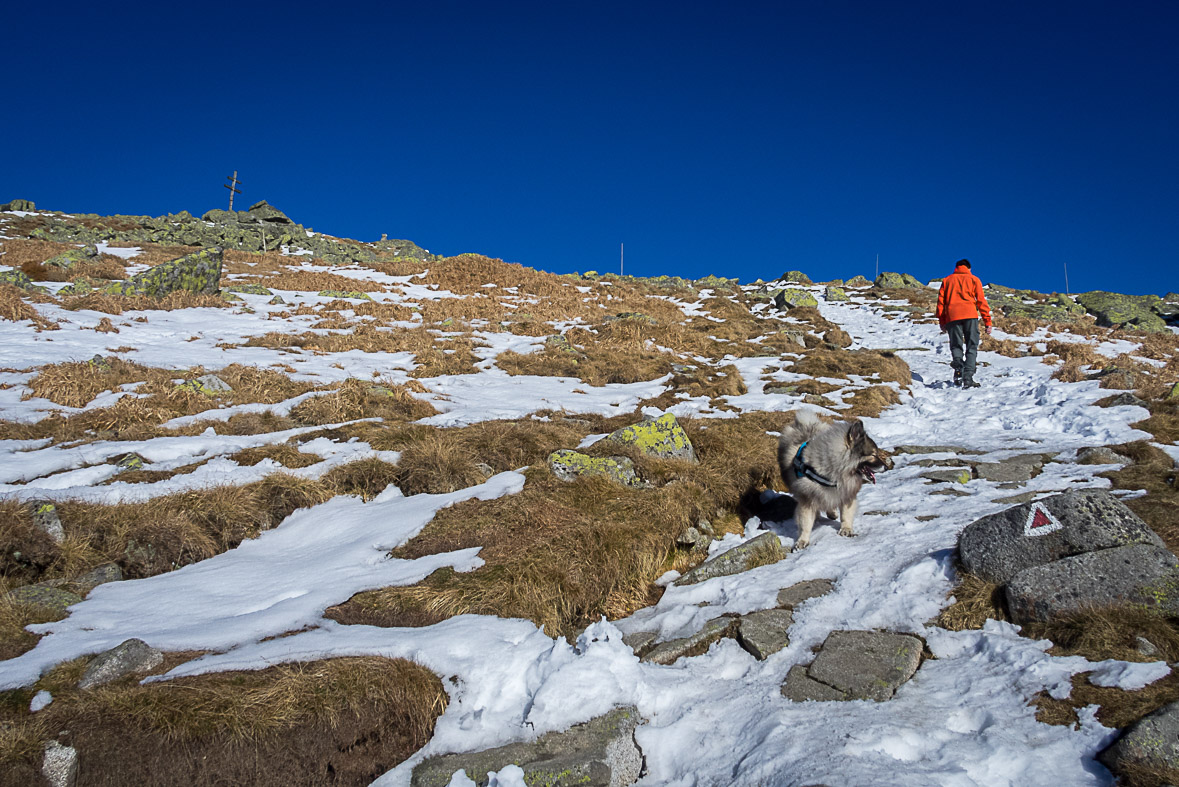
99	575
999	546
1151	742
1139	577
739	558
867	665
959	475
45	599
128	658
674	649
1101	455
791	597
765	632
570	465
800	687
59	765
934	449
599	753
1125	399
640	641
46	519
661	437
1010	471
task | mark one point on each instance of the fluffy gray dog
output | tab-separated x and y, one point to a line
824	465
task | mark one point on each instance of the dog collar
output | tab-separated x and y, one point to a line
803	470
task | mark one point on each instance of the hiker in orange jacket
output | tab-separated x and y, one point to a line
960	301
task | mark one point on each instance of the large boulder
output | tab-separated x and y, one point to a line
999	546
131	657
1152	742
758	551
264	211
897	281
834	293
19	204
661	437
570	465
857	281
856	665
599	753
790	298
795	277
199	272
1113	309
71	257
18	279
1139	577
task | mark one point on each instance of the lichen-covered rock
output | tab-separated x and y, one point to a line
199	272
958	475
71	257
661	437
1113	309
18	279
1057	308
208	384
131	461
46	519
833	293
758	551
19	204
264	211
59	765
99	364
897	281
277	301
99	575
128	658
570	465
1101	455
857	281
858	665
790	298
671	651
248	289
45	599
353	294
795	277
79	286
1000	546
1140	577
1152	742
599	753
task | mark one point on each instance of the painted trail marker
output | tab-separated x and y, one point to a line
1040	521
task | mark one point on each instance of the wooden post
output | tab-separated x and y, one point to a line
232	185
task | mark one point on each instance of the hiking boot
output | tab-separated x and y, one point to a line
971	384
957	377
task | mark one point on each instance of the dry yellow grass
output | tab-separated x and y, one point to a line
879	364
975	602
117	304
315	281
14	308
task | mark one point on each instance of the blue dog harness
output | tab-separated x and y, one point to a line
803	470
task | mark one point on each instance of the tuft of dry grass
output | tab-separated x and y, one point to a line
1117	707
975	602
1153	471
440	462
870	402
14	309
1099	634
117	304
885	365
334	721
355	398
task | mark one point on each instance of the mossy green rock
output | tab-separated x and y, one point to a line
72	257
199	272
48	601
1112	309
19	204
796	277
354	294
857	281
79	286
248	289
599	753
835	294
209	385
897	281
791	298
19	279
661	437
570	465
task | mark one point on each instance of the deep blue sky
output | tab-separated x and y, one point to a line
741	139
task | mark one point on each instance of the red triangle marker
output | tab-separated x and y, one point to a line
1040	521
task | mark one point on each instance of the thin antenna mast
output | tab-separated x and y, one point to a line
877	276
621	256
1066	279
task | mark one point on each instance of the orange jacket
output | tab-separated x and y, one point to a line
961	298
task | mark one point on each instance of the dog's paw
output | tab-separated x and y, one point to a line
801	543
847	531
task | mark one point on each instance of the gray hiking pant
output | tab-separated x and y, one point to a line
963	346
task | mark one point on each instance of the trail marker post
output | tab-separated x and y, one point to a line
232	185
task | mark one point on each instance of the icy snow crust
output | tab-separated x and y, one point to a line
716	719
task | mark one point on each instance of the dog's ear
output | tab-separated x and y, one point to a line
855	432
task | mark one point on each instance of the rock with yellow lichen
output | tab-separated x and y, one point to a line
661	437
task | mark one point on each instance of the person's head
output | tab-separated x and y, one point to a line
962	263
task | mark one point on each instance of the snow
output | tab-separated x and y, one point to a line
715	719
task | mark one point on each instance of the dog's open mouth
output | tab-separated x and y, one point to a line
867	470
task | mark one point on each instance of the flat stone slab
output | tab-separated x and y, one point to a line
999	546
1142	576
739	558
951	476
1008	471
800	687
45	599
128	658
935	449
669	652
1152	741
791	597
866	665
765	632
600	753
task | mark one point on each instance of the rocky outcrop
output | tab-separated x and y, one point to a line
856	665
795	277
857	281
18	279
1112	309
133	656
662	438
790	298
71	257
599	753
897	281
570	465
1053	308
833	293
758	551
1150	743
1000	546
19	204
199	272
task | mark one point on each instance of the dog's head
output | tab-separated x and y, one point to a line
870	458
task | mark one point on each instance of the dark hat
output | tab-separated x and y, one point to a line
962	262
